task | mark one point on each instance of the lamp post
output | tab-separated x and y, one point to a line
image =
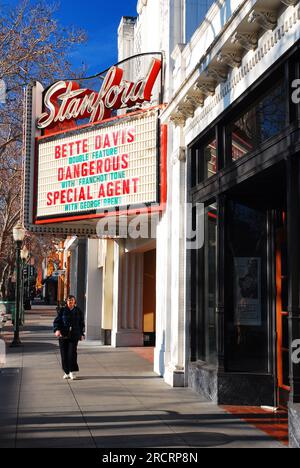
27	305
18	235
24	257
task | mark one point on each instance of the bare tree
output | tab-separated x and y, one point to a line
33	46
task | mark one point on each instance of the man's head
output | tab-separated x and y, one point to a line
71	302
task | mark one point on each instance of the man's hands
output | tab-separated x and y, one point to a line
59	335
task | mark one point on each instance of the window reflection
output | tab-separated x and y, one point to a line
204	292
210	156
246	299
210	267
262	121
203	161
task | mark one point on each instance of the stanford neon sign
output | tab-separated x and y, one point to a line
66	101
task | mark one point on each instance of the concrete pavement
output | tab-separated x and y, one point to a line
117	402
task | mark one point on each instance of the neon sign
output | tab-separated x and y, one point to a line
67	102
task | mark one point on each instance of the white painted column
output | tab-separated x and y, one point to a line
93	293
128	298
164	267
73	272
174	373
162	294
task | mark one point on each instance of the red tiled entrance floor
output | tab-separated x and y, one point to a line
146	353
275	424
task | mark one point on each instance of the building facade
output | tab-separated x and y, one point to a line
164	26
235	110
215	284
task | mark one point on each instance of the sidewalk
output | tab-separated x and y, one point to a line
117	402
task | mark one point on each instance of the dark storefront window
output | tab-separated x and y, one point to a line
210	278
263	120
210	159
246	286
204	161
204	291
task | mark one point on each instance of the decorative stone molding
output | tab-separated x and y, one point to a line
289	23
231	58
186	108
178	118
197	96
246	40
266	19
190	103
217	73
207	87
182	154
179	155
289	2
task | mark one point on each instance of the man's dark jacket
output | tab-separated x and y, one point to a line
70	323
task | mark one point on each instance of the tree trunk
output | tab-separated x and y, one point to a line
2	281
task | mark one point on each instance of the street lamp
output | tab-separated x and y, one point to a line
24	257
18	235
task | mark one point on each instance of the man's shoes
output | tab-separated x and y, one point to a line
72	376
66	376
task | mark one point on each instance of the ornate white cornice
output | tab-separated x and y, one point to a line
186	108
197	95
218	73
246	40
266	19
230	57
244	48
273	39
207	87
178	118
289	2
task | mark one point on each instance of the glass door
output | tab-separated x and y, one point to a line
246	284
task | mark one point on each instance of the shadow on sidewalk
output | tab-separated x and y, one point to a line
118	377
9	387
46	430
32	347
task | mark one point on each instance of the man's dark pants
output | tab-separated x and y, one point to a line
68	351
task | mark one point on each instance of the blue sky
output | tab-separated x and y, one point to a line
100	18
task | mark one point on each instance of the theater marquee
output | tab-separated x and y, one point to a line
99	168
95	148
